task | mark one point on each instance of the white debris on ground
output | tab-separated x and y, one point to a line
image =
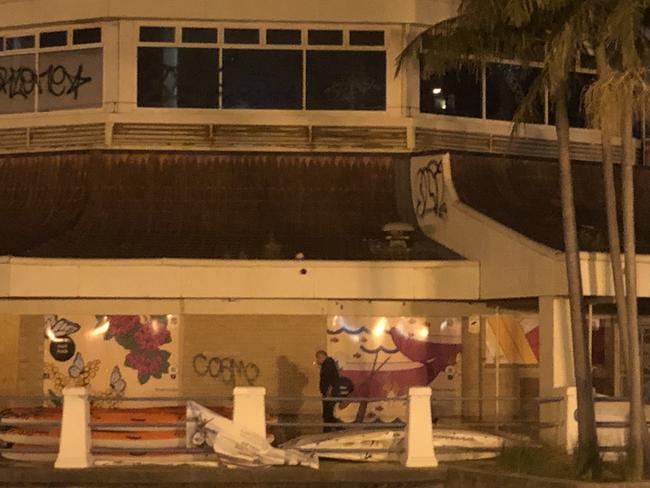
236	446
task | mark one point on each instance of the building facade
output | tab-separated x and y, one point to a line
224	171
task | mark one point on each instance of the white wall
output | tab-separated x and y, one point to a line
174	278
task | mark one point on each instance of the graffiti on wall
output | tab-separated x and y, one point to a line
47	81
226	369
56	80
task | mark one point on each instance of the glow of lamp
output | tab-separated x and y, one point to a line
423	332
380	327
437	91
50	335
102	329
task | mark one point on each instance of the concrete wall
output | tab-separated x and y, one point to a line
276	352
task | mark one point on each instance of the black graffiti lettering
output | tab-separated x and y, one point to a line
430	192
56	80
227	369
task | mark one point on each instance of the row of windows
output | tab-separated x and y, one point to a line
261	79
58	38
503	87
287	37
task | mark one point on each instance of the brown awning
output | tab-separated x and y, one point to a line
525	196
198	205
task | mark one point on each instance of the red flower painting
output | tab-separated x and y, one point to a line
143	337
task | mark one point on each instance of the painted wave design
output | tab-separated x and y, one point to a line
379	349
347	330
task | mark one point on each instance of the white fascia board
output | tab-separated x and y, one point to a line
421	12
597	278
178	278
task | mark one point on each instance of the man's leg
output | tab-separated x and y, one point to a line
328	415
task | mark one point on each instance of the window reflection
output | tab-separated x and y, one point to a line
346	80
506	86
457	92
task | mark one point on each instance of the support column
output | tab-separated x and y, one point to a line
75	444
419	430
556	376
249	410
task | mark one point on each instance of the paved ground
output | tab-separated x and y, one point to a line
330	474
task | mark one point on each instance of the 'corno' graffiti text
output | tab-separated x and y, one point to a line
228	370
430	190
56	80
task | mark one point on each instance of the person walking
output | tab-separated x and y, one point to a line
329	378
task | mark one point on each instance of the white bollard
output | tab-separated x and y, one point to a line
419	430
570	411
249	410
75	443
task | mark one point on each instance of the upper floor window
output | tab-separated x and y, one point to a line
57	69
495	91
250	68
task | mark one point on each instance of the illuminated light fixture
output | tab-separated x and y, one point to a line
102	329
423	332
50	335
445	324
436	91
380	327
444	105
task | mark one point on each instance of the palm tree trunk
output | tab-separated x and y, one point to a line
588	459
637	420
612	217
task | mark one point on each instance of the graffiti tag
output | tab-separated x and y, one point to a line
430	197
55	80
226	369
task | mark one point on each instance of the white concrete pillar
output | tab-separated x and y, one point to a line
419	430
75	443
570	430
556	377
249	409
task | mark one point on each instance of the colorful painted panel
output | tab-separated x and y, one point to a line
112	355
385	356
514	337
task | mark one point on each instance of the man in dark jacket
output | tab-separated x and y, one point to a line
329	378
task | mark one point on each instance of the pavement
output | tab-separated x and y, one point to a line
330	474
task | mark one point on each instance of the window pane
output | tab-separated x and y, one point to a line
2	43
507	85
325	37
21	42
157	34
242	36
283	36
262	79
367	38
87	36
346	80
456	92
51	39
178	77
578	83
199	35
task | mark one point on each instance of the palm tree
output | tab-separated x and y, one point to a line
487	30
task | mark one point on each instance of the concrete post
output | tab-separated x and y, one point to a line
570	427
555	369
419	430
249	409
75	443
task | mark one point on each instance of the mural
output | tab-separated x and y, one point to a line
385	356
514	337
112	355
